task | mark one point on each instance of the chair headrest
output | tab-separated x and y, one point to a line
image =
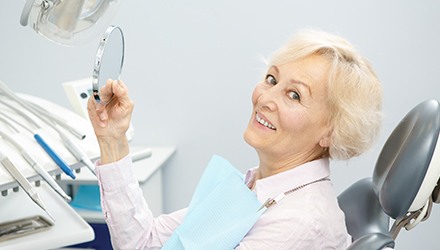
408	167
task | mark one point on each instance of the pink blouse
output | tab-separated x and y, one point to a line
309	218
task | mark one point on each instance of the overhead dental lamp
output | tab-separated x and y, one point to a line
69	22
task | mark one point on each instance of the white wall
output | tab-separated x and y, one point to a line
191	66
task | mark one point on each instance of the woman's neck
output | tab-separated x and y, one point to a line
272	165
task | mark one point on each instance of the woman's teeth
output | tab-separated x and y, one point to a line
264	123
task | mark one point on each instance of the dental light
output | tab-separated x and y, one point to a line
69	22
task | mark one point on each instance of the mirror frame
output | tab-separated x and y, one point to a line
98	60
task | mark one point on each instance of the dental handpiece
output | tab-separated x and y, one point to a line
35	165
23	182
35	111
58	120
45	175
79	154
55	157
76	150
73	147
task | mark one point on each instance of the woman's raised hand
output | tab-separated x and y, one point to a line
111	120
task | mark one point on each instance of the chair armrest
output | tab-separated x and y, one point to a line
374	241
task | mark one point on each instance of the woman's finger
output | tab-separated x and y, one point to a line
121	92
106	91
119	89
96	113
91	107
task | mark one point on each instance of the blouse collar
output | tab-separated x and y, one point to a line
274	185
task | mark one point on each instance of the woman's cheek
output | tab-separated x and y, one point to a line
257	93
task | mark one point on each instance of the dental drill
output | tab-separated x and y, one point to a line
55	157
33	162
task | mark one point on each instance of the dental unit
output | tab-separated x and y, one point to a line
41	141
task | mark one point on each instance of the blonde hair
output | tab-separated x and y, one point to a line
354	91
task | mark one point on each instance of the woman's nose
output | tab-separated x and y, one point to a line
268	99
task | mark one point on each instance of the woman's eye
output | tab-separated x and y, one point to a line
270	79
294	95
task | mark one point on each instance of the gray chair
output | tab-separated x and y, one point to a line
403	186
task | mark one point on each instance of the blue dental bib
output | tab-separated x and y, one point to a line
222	210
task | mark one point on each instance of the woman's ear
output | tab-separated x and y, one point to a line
326	139
325	142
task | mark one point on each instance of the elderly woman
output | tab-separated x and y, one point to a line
319	100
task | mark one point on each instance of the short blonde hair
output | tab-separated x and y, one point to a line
354	91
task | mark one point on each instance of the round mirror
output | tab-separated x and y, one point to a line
109	60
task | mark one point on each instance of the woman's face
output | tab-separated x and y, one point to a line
290	118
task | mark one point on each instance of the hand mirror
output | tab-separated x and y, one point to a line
109	60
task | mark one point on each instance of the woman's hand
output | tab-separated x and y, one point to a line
111	121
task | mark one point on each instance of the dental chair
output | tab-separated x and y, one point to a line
404	183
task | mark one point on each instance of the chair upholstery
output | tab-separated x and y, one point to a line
401	173
402	184
360	199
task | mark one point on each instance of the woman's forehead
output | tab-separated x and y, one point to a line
310	70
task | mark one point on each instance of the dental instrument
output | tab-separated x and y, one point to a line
76	150
23	182
35	165
11	95
73	147
57	119
55	157
13	229
49	118
60	162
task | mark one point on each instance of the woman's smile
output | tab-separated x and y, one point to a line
264	122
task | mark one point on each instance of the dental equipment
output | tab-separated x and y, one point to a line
11	95
23	182
56	119
69	22
76	150
21	227
11	126
48	118
35	165
60	162
55	157
73	147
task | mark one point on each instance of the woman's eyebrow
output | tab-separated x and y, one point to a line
305	85
292	81
275	68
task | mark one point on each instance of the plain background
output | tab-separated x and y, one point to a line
191	67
